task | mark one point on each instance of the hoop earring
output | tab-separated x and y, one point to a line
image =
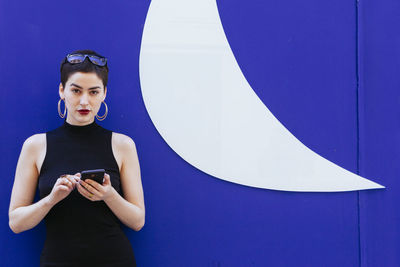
62	115
100	118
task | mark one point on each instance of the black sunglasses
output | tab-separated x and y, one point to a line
79	58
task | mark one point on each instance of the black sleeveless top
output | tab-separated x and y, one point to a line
81	232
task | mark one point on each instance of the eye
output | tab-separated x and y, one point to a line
94	92
75	90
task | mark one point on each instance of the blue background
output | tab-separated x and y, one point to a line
328	70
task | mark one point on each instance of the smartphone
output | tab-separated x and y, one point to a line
96	175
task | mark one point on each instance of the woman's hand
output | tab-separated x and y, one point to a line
94	191
63	187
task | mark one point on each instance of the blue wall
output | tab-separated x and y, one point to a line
327	70
379	112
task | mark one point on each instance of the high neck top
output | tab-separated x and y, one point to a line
88	229
81	129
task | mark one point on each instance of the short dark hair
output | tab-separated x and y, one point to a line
67	69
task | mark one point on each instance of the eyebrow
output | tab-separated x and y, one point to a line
96	87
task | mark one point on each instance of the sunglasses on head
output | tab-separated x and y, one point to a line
79	58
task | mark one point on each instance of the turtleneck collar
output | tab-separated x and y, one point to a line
78	129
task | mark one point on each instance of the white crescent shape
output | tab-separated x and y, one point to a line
204	108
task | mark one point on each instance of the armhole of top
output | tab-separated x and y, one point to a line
45	153
113	152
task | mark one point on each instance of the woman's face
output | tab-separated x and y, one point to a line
83	94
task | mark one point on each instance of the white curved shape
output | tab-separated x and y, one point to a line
203	107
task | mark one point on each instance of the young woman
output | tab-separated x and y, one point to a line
82	217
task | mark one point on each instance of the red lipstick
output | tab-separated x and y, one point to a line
83	111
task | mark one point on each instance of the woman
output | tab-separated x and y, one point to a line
82	217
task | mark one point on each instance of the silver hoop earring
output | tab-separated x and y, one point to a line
62	115
100	118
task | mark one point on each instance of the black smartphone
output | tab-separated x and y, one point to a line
96	175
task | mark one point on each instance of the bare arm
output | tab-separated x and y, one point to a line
23	215
130	208
27	217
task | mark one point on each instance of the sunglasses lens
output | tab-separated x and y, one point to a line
101	61
75	58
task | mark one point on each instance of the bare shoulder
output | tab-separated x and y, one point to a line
123	146
34	148
35	143
123	142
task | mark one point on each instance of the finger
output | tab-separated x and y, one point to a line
71	179
93	184
86	193
60	179
63	188
69	185
87	187
107	179
82	190
63	179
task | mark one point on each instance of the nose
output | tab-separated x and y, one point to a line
84	100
